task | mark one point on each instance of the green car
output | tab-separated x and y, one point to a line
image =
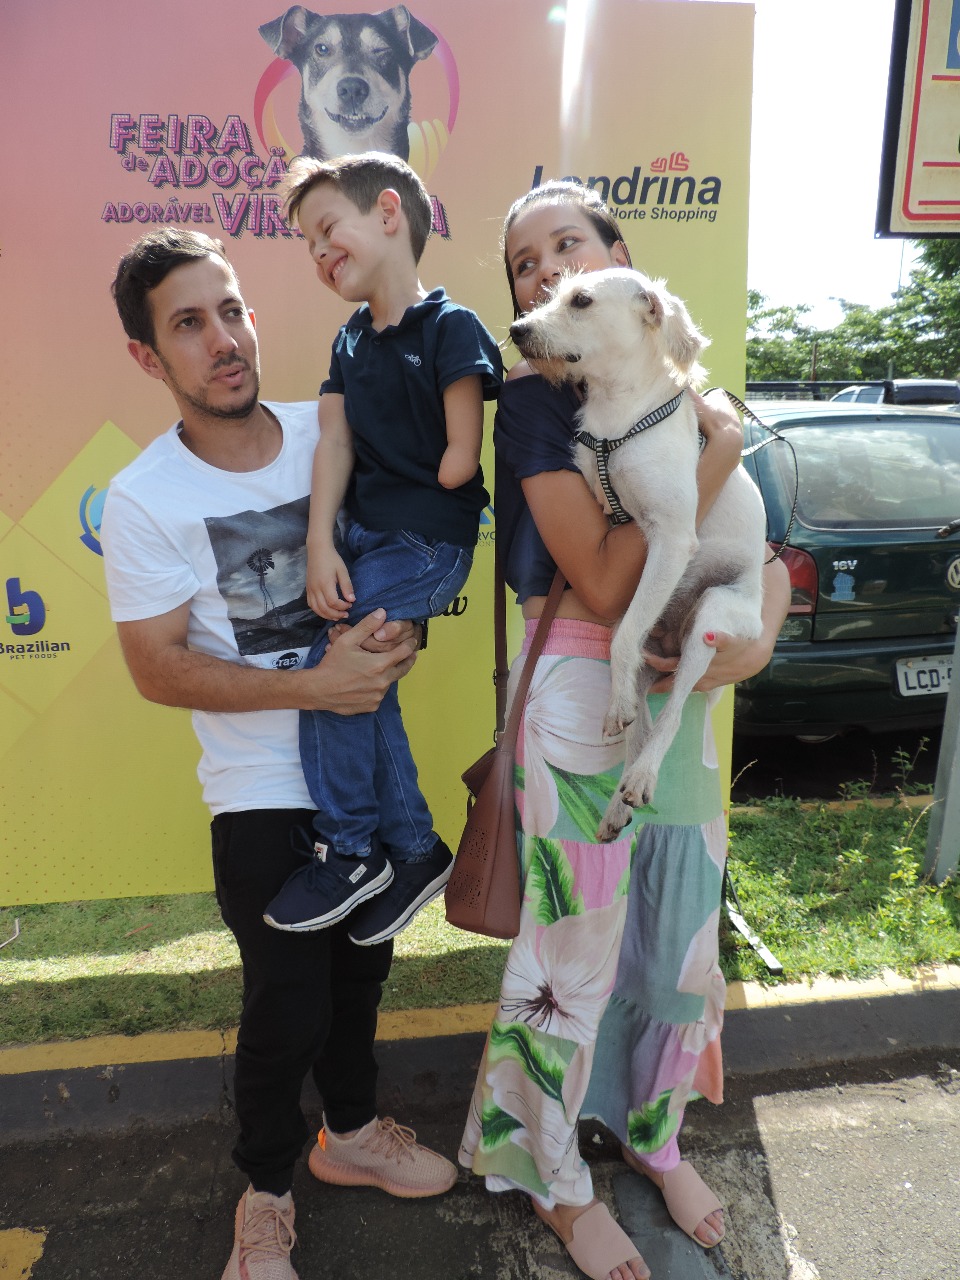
874	561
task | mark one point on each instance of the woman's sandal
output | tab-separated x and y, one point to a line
686	1195
597	1244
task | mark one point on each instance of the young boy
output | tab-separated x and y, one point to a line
394	513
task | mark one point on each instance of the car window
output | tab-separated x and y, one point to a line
873	395
849	393
872	474
928	393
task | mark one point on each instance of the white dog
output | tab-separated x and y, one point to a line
635	348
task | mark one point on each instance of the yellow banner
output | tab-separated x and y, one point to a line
187	115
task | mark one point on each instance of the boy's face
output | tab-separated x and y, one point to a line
348	246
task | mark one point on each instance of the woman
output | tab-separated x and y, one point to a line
656	889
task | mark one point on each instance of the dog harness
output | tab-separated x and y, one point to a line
603	449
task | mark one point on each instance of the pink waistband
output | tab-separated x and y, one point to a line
571	638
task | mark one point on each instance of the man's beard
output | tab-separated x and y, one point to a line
201	402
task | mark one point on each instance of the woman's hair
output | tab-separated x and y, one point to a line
564	191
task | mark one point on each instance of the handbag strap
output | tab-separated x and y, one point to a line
501	670
507	737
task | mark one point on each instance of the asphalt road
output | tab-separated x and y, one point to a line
846	1176
821	771
835	1155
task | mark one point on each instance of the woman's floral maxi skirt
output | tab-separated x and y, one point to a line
612	998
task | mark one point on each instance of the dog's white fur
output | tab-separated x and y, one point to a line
635	346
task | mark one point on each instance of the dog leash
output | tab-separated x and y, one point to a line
745	453
603	448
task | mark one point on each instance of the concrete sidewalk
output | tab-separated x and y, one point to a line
837	1155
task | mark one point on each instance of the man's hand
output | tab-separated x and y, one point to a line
352	679
352	676
385	638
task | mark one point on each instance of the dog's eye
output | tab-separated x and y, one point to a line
581	300
322	49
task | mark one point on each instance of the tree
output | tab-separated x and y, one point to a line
779	344
916	336
942	257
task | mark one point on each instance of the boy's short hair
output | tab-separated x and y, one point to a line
147	264
361	178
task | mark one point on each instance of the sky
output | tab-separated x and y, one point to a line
820	84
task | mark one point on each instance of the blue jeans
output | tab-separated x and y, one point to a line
359	769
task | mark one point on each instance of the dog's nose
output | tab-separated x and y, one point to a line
352	91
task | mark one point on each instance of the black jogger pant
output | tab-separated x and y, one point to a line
309	1002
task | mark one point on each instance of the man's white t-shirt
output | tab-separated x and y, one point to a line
234	544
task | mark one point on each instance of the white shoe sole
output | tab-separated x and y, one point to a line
431	891
369	890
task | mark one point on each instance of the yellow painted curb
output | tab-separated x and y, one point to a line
753	995
418	1024
843	806
19	1250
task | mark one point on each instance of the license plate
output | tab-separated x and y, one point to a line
917	677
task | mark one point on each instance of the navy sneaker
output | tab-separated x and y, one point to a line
414	885
328	887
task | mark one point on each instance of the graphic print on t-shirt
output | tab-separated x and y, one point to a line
261	574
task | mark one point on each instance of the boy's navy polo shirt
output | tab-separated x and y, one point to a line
393	383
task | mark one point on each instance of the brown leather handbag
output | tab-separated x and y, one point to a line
483	892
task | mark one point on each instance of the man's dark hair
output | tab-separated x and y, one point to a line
147	264
361	178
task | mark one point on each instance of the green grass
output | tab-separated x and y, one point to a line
830	892
129	965
838	892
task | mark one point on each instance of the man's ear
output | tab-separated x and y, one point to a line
390	208
147	359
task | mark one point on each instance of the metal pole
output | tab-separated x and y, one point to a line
943	835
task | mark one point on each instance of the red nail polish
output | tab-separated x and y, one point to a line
709	636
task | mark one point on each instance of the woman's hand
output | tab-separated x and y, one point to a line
735	659
720	456
720	424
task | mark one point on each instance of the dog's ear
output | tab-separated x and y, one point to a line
285	33
420	39
649	302
682	340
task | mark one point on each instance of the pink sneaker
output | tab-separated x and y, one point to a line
382	1154
263	1236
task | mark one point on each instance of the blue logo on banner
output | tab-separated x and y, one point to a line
26	612
91	514
953	48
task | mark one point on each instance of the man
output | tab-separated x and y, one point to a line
204	546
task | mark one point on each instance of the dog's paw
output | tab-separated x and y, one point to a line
638	785
615	722
615	818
